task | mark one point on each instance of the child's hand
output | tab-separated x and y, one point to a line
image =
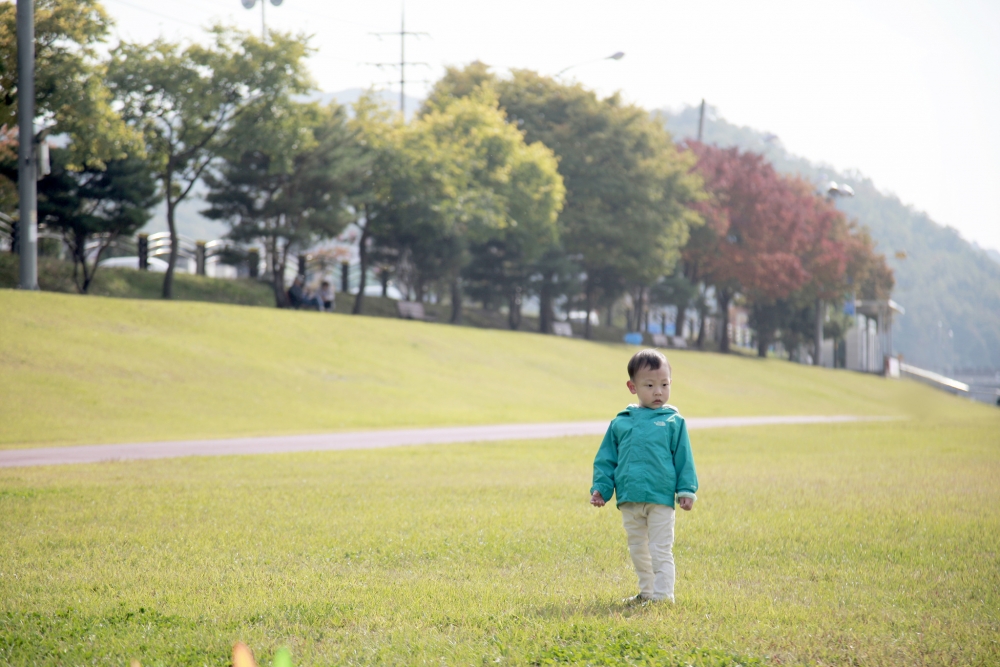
686	503
597	500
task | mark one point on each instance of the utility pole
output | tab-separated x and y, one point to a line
403	33
248	4
26	162
701	120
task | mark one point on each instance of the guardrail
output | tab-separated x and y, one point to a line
219	258
935	379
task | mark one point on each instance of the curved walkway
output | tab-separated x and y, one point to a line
13	458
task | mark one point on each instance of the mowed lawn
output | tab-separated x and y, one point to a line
90	370
850	544
870	543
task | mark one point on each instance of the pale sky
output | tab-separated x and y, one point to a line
907	92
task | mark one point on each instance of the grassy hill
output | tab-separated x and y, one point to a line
867	543
945	283
93	370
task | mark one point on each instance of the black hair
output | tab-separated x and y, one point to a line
648	358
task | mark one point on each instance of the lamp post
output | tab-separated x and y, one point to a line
617	55
26	160
833	190
249	4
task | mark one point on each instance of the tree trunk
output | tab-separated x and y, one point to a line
763	342
545	316
724	296
89	272
278	260
383	277
701	328
818	356
590	307
168	277
79	258
456	300
514	308
640	309
359	300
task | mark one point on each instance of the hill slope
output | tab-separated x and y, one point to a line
92	370
945	283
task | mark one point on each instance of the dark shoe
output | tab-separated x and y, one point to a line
636	600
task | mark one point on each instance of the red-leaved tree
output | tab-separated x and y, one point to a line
755	236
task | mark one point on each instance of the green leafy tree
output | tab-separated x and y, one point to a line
628	188
460	176
529	193
186	101
376	133
287	180
93	207
70	93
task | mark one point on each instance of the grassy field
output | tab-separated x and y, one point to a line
873	543
79	370
55	275
853	544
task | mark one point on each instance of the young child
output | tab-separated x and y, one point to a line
645	460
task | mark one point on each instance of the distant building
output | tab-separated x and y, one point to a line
869	342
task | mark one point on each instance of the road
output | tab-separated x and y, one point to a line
13	458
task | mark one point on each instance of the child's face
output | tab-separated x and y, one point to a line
651	386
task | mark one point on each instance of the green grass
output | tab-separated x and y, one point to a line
55	275
873	543
79	370
853	544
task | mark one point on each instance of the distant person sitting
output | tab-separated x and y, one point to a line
328	296
299	297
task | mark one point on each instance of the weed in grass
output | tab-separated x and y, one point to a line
873	544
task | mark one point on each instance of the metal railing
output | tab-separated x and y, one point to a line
935	379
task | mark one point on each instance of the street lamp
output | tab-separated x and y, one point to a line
617	55
249	4
27	224
843	190
833	190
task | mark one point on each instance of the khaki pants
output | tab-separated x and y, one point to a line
650	530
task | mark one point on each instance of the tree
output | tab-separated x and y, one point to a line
186	101
628	189
287	180
91	204
376	136
460	177
754	234
71	97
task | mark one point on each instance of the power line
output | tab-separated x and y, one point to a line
403	33
155	13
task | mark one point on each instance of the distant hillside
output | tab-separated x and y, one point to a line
950	289
351	95
990	252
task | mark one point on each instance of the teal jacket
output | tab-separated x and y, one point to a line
645	458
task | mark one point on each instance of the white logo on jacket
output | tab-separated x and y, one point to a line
660	423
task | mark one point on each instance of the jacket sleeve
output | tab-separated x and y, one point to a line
687	478
605	465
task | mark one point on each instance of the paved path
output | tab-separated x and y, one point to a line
12	458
